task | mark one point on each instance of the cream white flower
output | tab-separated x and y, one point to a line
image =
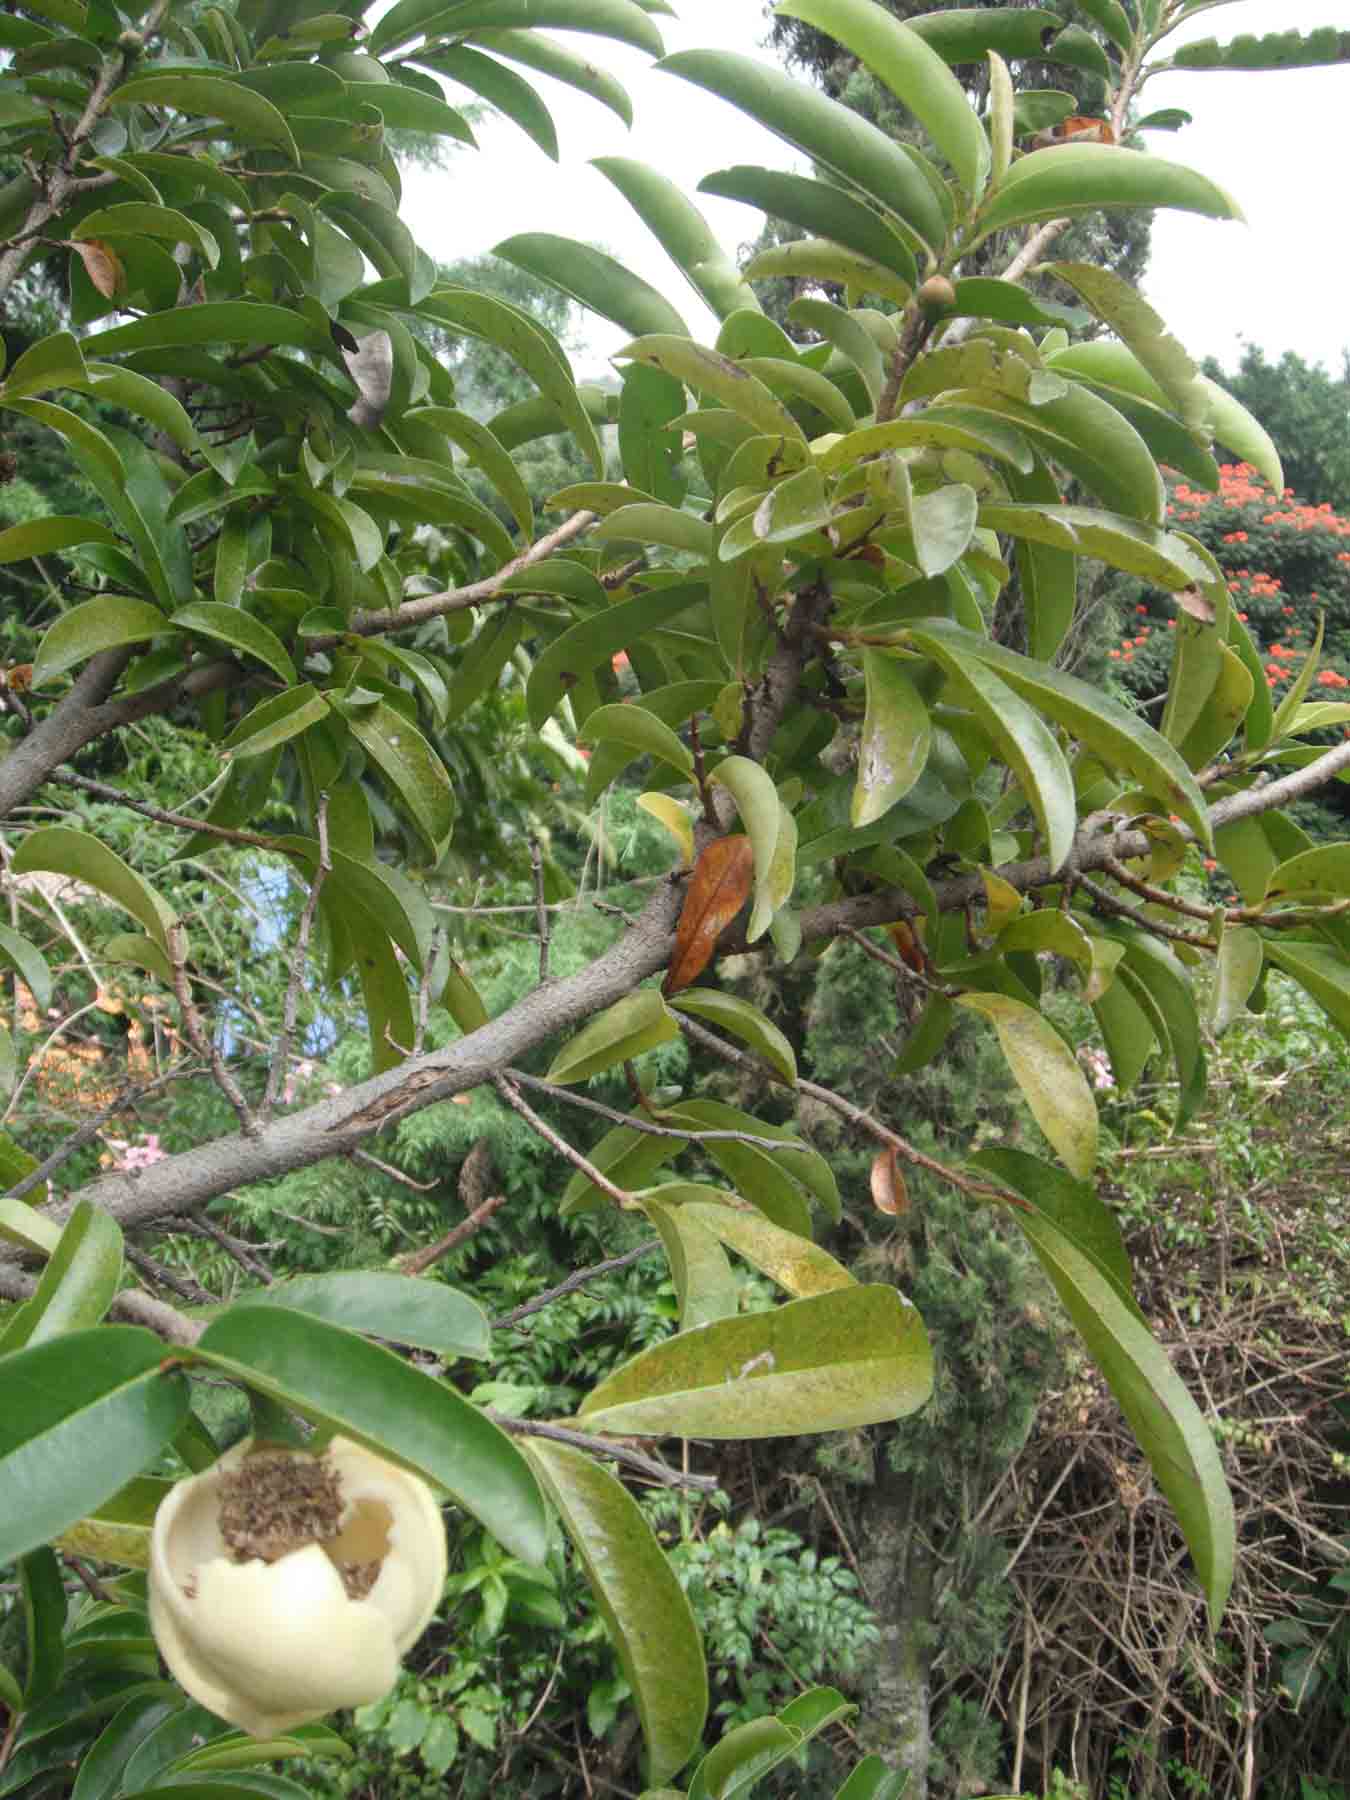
284	1585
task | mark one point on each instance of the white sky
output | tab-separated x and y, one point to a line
1275	141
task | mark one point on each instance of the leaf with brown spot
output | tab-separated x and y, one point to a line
718	889
1192	601
102	265
890	1193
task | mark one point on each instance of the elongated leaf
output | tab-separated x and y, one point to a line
103	1766
797	1265
757	803
1320	972
915	74
705	1287
79	1281
44	1608
416	775
639	731
826	131
1077	178
897	735
683	233
742	1020
1171	1432
486	452
821	210
1023	739
273	721
718	888
30	1229
59	850
595	639
403	1308
213	322
39	537
341	1381
942	524
30	965
1323	873
1048	1075
818	259
709	372
104	623
640	1599
552	58
1237	969
675	818
1137	325
649	522
636	1023
207	96
858	1356
501	88
82	1415
594	280
240	630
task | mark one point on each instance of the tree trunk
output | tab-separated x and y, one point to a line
899	1572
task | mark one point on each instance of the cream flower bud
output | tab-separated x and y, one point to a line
284	1585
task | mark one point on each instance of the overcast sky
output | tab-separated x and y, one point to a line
1275	141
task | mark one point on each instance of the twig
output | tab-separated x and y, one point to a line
421	1260
234	1247
198	1037
541	1128
577	1279
1108	902
374	1162
101	790
276	1074
188	1291
635	1123
540	907
606	1447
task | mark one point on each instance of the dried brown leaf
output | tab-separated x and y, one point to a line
718	888
102	265
889	1191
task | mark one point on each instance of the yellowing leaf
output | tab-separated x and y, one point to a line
1046	1071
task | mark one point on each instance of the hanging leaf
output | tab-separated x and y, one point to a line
638	1022
1047	1073
59	850
897	735
705	1287
744	1021
757	802
718	888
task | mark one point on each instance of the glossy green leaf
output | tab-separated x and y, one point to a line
705	1287
486	452
942	524
914	73
1120	738
42	1589
1048	1076
1074	1208
1023	739
1322	873
709	372
639	731
82	1415
945	427
1319	972
742	1020
101	1771
1128	1033
648	1617
402	1308
756	800
29	963
395	906
339	1380
77	1286
552	58
683	233
1155	975
1237	969
501	88
593	640
819	259
798	1266
213	322
40	537
1143	331
240	630
824	130
636	1023
821	210
966	33
1112	18
1220	717
274	720
897	734
415	774
858	1356
134	218
104	623
30	1229
1171	1431
254	118
649	522
594	280
60	850
1076	178
849	337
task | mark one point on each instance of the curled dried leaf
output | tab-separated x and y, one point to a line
371	367
718	889
890	1194
102	265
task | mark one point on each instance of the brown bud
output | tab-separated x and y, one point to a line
937	295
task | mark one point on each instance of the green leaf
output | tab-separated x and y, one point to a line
1112	18
649	522
709	372
30	1229
551	58
82	1415
1158	981
1321	873
733	1767
134	218
40	537
1074	1208
79	1281
59	850
819	259
240	630
897	734
756	800
821	210
765	1180
103	1766
645	1610
1144	332
407	109
254	118
914	73
858	1356
849	337
500	87
1170	1430
44	1608
942	523
594	280
798	1266
967	33
593	640
1023	739
705	1287
1319	972
1048	1075
824	130
274	720
342	1382
1237	969
1069	179
946	427
402	1308
104	623
742	1020
55	361
618	19
682	231
639	731
213	322
414	772
636	1023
